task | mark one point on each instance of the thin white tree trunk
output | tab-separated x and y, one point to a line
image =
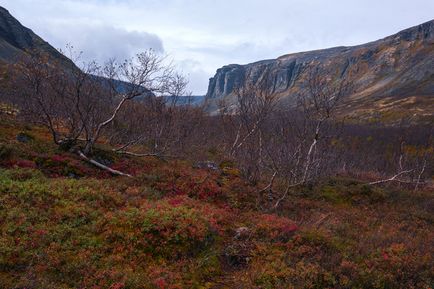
394	178
101	166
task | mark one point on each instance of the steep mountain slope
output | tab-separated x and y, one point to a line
15	40
395	72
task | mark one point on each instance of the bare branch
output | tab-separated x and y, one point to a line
101	166
392	179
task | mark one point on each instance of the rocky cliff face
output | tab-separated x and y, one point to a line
396	67
15	40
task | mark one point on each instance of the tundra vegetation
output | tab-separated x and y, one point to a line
108	180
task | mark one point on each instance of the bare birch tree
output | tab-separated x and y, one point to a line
255	103
79	104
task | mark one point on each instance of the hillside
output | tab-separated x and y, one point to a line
392	77
16	40
66	224
99	190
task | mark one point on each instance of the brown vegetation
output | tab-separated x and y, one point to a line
263	195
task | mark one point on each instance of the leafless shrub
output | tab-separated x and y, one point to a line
79	104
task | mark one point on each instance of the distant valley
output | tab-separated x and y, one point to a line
393	77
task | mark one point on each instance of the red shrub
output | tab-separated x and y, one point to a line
60	159
25	164
275	227
117	286
160	283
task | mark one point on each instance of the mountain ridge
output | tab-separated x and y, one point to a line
16	40
397	66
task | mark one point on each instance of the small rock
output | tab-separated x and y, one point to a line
23	137
242	233
207	165
73	176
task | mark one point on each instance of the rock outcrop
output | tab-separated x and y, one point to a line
393	68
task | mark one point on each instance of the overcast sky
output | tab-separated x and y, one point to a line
203	35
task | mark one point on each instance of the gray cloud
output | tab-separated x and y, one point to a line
202	35
101	42
197	76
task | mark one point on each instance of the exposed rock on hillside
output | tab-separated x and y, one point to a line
394	68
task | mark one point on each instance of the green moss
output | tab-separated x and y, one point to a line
20	175
374	194
163	230
332	244
333	195
348	191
